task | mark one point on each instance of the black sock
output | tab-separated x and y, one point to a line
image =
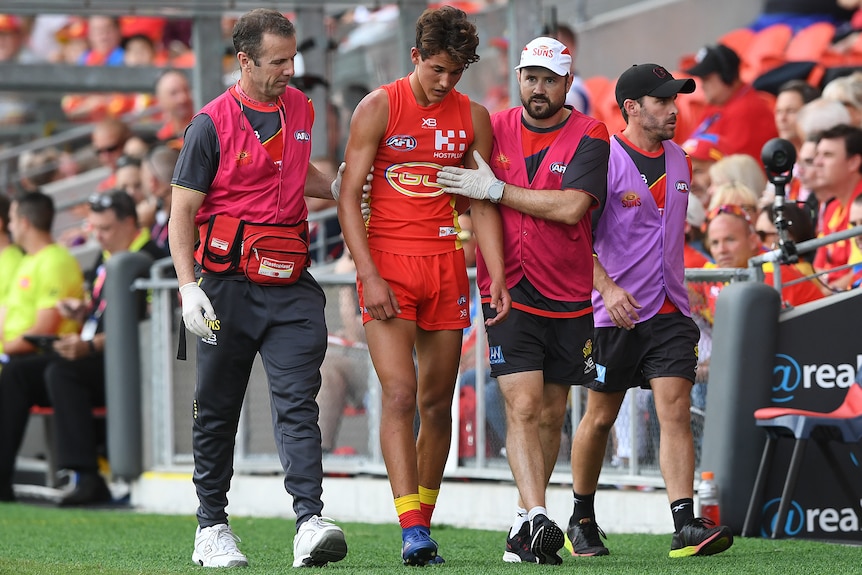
584	508
682	511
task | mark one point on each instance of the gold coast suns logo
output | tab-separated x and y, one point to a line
243	158
630	200
415	179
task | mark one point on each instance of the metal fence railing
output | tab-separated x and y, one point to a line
478	439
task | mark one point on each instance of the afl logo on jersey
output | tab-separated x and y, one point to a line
415	179
558	168
682	186
302	136
630	200
401	143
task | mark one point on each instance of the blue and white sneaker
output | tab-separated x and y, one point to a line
418	548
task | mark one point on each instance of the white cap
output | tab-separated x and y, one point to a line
298	66
695	215
547	53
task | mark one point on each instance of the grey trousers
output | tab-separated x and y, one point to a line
286	324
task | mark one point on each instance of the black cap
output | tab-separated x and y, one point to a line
650	80
718	58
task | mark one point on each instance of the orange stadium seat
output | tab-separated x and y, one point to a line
690	111
810	43
609	112
766	51
737	40
597	88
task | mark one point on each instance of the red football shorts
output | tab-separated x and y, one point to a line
431	290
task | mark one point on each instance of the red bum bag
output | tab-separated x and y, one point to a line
269	254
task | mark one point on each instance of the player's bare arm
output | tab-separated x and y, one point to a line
367	128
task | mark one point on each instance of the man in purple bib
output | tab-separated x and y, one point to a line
644	334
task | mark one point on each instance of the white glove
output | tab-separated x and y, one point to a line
470	183
335	186
197	307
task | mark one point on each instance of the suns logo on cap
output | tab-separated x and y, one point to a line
682	186
543	51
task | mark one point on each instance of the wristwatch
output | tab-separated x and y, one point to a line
495	192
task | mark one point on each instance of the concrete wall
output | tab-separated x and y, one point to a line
474	504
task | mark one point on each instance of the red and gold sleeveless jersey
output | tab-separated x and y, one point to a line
410	214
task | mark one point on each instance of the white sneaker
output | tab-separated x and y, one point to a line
215	546
319	541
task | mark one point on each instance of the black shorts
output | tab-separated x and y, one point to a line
662	346
560	347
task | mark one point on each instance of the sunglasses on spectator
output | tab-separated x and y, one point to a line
124	161
117	200
109	149
99	202
730	209
856	224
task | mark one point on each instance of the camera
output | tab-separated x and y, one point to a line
778	156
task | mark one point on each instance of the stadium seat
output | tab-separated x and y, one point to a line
766	51
691	108
843	424
737	40
47	414
810	43
597	88
609	112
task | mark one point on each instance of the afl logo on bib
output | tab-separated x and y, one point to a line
558	168
415	179
682	186
302	136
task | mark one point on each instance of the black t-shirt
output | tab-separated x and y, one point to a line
199	159
827	7
651	168
581	172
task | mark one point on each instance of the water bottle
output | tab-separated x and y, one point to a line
707	495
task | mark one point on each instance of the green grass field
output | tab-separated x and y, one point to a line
38	540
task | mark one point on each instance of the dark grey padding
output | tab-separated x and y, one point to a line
123	363
744	342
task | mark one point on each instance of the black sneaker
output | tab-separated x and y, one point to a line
86	489
586	539
545	540
518	547
701	537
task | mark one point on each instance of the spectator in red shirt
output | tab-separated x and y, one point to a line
838	162
174	97
736	113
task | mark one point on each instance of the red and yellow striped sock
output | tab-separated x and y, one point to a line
409	511
427	502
